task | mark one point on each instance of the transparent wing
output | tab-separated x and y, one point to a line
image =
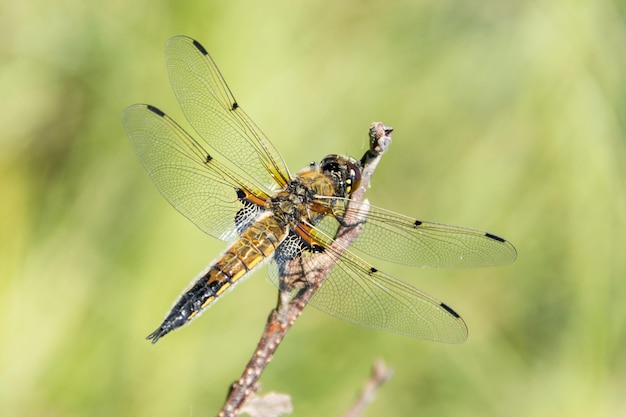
359	293
214	113
197	185
404	240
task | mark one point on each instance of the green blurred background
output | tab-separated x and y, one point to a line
508	116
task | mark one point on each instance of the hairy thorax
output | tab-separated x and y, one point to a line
302	199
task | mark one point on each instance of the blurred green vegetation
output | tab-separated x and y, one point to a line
508	116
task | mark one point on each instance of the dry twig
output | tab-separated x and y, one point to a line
288	309
380	374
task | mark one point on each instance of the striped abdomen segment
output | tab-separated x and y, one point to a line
256	243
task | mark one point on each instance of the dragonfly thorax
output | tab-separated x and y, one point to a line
293	203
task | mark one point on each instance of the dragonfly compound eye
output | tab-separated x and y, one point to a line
345	172
354	176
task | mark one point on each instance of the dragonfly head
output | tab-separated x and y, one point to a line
344	171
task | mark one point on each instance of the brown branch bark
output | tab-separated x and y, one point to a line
289	308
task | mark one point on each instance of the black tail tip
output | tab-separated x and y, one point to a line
157	334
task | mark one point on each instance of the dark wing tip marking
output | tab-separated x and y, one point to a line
208	158
200	47
235	106
494	237
417	223
155	110
373	270
449	310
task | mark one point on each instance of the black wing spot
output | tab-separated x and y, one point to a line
494	237
155	110
315	248
292	246
235	106
417	223
247	214
200	47
373	270
449	310
209	158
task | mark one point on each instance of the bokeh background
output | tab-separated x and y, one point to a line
508	116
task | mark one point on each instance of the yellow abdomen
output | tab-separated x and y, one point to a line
255	245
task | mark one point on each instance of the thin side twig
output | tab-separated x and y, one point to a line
380	374
289	308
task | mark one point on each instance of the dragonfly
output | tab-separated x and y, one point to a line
233	184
